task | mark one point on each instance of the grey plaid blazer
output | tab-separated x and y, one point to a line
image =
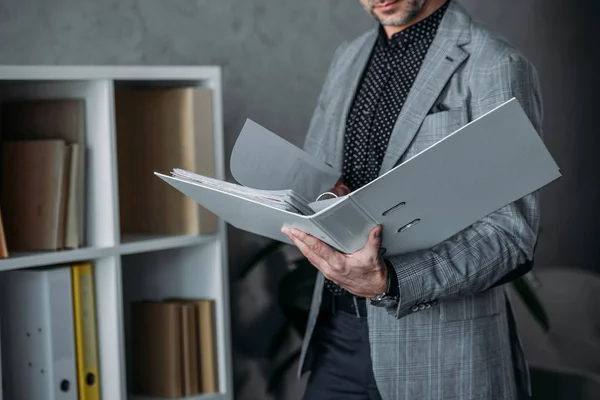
452	334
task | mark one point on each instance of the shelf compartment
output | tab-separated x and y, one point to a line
95	193
159	127
186	273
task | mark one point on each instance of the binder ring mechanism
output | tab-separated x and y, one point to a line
326	194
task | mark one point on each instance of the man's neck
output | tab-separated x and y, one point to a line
430	7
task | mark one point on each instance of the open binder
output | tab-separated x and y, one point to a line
474	171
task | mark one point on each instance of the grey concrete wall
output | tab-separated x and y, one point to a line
275	55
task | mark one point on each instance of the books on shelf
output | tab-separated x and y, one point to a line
173	348
157	128
49	337
43	174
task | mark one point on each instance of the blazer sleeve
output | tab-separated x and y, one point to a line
479	256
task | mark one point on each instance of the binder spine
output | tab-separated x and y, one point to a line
346	224
84	312
330	236
363	211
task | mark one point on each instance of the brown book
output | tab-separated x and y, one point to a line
156	349
158	130
54	119
3	249
32	197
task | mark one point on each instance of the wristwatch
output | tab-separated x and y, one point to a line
390	297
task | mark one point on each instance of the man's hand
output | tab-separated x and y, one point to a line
362	273
340	188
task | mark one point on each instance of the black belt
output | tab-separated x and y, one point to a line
353	305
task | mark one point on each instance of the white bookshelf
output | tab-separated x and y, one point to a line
131	267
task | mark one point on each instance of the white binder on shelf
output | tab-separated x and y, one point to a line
476	170
38	342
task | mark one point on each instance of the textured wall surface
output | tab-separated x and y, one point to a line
274	56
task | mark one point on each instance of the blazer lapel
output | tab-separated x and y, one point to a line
442	60
349	78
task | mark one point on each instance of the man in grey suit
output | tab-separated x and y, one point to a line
433	324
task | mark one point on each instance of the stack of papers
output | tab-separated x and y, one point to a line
286	200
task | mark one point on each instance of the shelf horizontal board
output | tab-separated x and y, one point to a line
130	245
208	396
42	258
133	244
130	72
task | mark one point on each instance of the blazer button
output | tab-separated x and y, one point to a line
422	307
415	308
428	305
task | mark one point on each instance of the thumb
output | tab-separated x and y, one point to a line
374	241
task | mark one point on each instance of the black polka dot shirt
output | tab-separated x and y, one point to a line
386	82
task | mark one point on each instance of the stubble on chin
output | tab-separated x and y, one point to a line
407	10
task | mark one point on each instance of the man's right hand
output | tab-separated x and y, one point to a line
340	189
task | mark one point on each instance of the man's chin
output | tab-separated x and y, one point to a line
391	20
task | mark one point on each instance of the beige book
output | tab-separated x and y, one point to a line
209	364
53	119
33	194
158	130
189	350
206	337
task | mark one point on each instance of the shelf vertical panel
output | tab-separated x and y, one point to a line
109	275
222	273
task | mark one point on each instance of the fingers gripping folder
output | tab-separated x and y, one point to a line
471	173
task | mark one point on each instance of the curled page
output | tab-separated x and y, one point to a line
262	160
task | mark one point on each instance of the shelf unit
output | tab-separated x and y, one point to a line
129	268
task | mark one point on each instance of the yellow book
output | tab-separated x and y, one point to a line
84	310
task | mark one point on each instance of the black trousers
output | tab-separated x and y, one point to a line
342	368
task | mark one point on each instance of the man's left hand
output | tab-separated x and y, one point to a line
362	273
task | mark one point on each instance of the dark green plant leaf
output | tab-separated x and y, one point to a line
276	377
532	302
